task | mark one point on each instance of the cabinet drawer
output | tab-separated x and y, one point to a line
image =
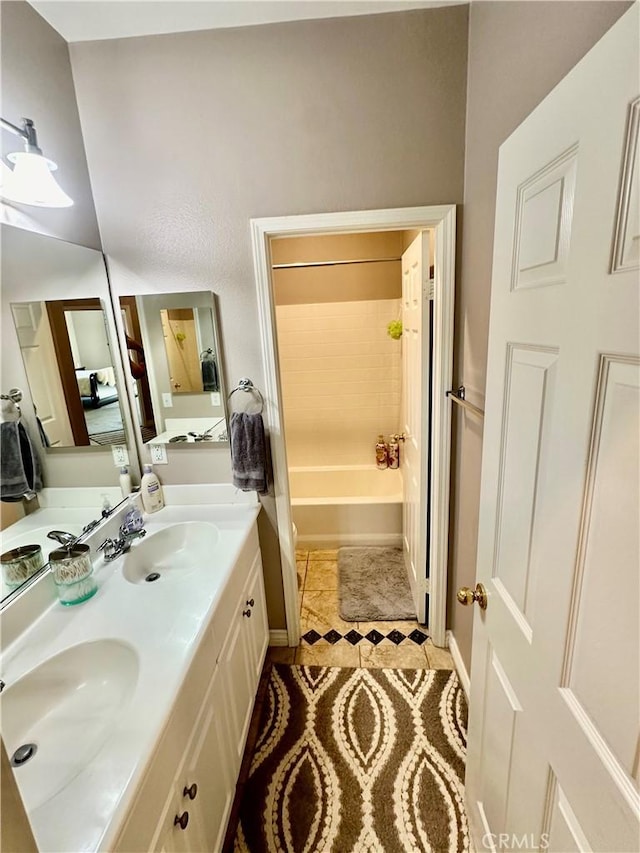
138	830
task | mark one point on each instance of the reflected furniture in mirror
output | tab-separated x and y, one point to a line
174	366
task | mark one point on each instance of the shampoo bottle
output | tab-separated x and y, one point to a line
151	491
125	482
394	452
381	454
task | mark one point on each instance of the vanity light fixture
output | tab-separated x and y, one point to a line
31	180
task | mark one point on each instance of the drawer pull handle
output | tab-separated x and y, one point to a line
250	602
246	613
190	792
181	821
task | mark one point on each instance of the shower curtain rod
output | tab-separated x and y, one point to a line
332	263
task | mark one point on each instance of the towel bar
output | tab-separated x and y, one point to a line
458	396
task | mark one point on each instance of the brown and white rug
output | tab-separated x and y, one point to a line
357	761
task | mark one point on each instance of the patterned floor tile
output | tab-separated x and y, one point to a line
324	554
311	636
321	574
438	658
418	637
406	626
396	637
332	637
353	637
325	655
302	555
406	656
320	611
374	637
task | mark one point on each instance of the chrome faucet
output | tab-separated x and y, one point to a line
114	548
62	537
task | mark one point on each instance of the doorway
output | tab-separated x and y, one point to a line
441	222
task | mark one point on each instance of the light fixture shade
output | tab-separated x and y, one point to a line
31	182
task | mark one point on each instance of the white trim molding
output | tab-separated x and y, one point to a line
461	669
278	637
442	220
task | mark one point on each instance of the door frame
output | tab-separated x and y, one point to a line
442	219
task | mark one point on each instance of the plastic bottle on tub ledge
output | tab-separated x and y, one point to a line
394	452
382	454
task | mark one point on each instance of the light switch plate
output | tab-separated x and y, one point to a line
215	398
120	455
158	453
167	401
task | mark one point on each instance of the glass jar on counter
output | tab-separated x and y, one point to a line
73	574
19	564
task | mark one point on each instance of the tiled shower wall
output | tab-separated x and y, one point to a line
340	374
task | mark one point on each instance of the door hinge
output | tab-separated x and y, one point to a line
425	586
428	289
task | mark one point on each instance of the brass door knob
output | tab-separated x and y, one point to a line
469	596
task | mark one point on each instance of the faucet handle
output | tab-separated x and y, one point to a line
62	537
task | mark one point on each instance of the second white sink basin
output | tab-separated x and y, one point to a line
68	706
172	553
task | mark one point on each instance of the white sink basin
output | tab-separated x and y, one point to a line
172	553
68	706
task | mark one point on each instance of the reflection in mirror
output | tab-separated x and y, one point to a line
175	367
55	303
70	370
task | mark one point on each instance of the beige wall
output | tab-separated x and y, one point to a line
340	374
518	51
190	135
37	84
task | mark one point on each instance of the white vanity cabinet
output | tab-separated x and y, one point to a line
185	798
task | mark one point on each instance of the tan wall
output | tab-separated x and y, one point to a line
190	135
337	282
37	83
518	51
340	374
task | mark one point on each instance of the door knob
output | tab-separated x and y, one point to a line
469	596
246	613
190	792
250	602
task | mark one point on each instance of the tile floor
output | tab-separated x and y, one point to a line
407	646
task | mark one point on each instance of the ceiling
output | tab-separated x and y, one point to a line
88	20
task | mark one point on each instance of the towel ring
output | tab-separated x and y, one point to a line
247	386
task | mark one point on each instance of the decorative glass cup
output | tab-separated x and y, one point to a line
20	563
73	574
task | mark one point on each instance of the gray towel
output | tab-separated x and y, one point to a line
20	473
248	453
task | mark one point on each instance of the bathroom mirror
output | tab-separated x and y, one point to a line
70	370
174	367
48	284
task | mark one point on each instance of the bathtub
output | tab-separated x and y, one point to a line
346	505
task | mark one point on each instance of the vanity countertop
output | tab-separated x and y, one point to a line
159	626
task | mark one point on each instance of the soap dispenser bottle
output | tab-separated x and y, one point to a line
151	491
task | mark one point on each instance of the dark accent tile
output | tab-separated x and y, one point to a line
311	637
396	637
333	636
353	637
375	637
418	637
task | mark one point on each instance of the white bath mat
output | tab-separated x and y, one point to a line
373	585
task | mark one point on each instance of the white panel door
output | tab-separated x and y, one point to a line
555	695
415	415
41	366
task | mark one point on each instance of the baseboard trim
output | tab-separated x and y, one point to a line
338	540
278	637
461	669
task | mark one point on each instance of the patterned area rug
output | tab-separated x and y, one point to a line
357	761
373	585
